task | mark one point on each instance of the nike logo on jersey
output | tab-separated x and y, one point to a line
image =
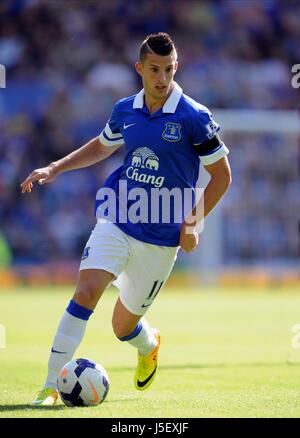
128	126
143	383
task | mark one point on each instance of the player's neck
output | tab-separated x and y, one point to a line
153	104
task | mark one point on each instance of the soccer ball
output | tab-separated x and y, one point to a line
82	382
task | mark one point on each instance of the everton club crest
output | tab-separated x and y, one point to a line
172	132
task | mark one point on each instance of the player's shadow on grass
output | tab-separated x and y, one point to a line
222	365
4	408
210	365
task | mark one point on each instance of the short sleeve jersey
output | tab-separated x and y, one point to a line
162	152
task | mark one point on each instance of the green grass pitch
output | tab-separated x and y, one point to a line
223	354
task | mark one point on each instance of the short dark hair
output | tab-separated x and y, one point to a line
159	43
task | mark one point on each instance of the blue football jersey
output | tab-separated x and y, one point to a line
162	153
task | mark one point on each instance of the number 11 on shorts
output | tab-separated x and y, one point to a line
154	291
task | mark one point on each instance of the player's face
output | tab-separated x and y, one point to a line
157	74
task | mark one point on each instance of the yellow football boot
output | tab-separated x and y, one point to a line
46	397
147	366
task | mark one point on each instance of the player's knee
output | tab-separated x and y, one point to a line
86	293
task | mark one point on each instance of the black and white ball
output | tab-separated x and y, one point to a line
82	382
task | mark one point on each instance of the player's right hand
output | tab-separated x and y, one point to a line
189	238
42	176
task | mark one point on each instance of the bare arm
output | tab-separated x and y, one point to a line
87	155
220	181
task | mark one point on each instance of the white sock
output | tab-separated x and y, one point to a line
142	338
67	339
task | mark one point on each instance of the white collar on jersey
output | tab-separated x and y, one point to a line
169	106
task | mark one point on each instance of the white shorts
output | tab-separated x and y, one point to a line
141	269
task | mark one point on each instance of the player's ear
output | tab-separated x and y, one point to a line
175	67
139	68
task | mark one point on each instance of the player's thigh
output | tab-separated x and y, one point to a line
147	270
104	258
90	286
106	249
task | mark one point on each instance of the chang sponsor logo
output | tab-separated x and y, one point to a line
133	173
145	158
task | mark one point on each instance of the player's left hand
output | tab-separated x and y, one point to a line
189	238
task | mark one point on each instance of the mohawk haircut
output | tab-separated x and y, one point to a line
158	44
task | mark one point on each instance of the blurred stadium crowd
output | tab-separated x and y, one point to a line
67	63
